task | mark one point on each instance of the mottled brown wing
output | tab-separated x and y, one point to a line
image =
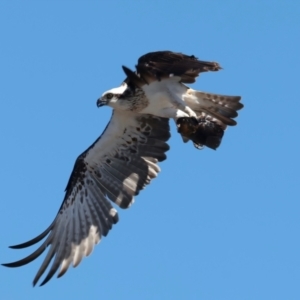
115	168
161	64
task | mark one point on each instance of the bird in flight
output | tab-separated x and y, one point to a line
124	159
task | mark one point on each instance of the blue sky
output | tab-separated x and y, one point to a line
215	224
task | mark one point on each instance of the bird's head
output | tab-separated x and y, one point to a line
111	97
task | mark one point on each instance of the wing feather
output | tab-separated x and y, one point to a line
163	64
115	167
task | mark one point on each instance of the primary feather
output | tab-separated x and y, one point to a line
116	167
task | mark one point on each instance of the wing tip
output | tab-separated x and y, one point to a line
14	264
19	246
8	265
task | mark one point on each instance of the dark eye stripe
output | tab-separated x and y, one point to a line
109	95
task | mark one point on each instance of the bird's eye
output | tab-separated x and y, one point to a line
109	96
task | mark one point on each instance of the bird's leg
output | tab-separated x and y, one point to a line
173	113
180	104
186	119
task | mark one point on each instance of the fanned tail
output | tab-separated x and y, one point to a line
222	108
214	114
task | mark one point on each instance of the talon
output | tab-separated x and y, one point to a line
190	112
187	126
198	146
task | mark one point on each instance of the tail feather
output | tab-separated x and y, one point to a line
223	108
216	116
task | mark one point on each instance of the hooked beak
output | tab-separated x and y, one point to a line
101	102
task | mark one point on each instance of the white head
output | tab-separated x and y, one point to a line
112	96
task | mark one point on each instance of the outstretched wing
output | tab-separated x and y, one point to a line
162	64
116	167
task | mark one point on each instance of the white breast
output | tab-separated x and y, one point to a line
158	94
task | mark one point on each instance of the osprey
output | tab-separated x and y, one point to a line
123	160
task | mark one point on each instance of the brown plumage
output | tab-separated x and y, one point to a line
161	64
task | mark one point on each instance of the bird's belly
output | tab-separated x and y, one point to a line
160	95
157	105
